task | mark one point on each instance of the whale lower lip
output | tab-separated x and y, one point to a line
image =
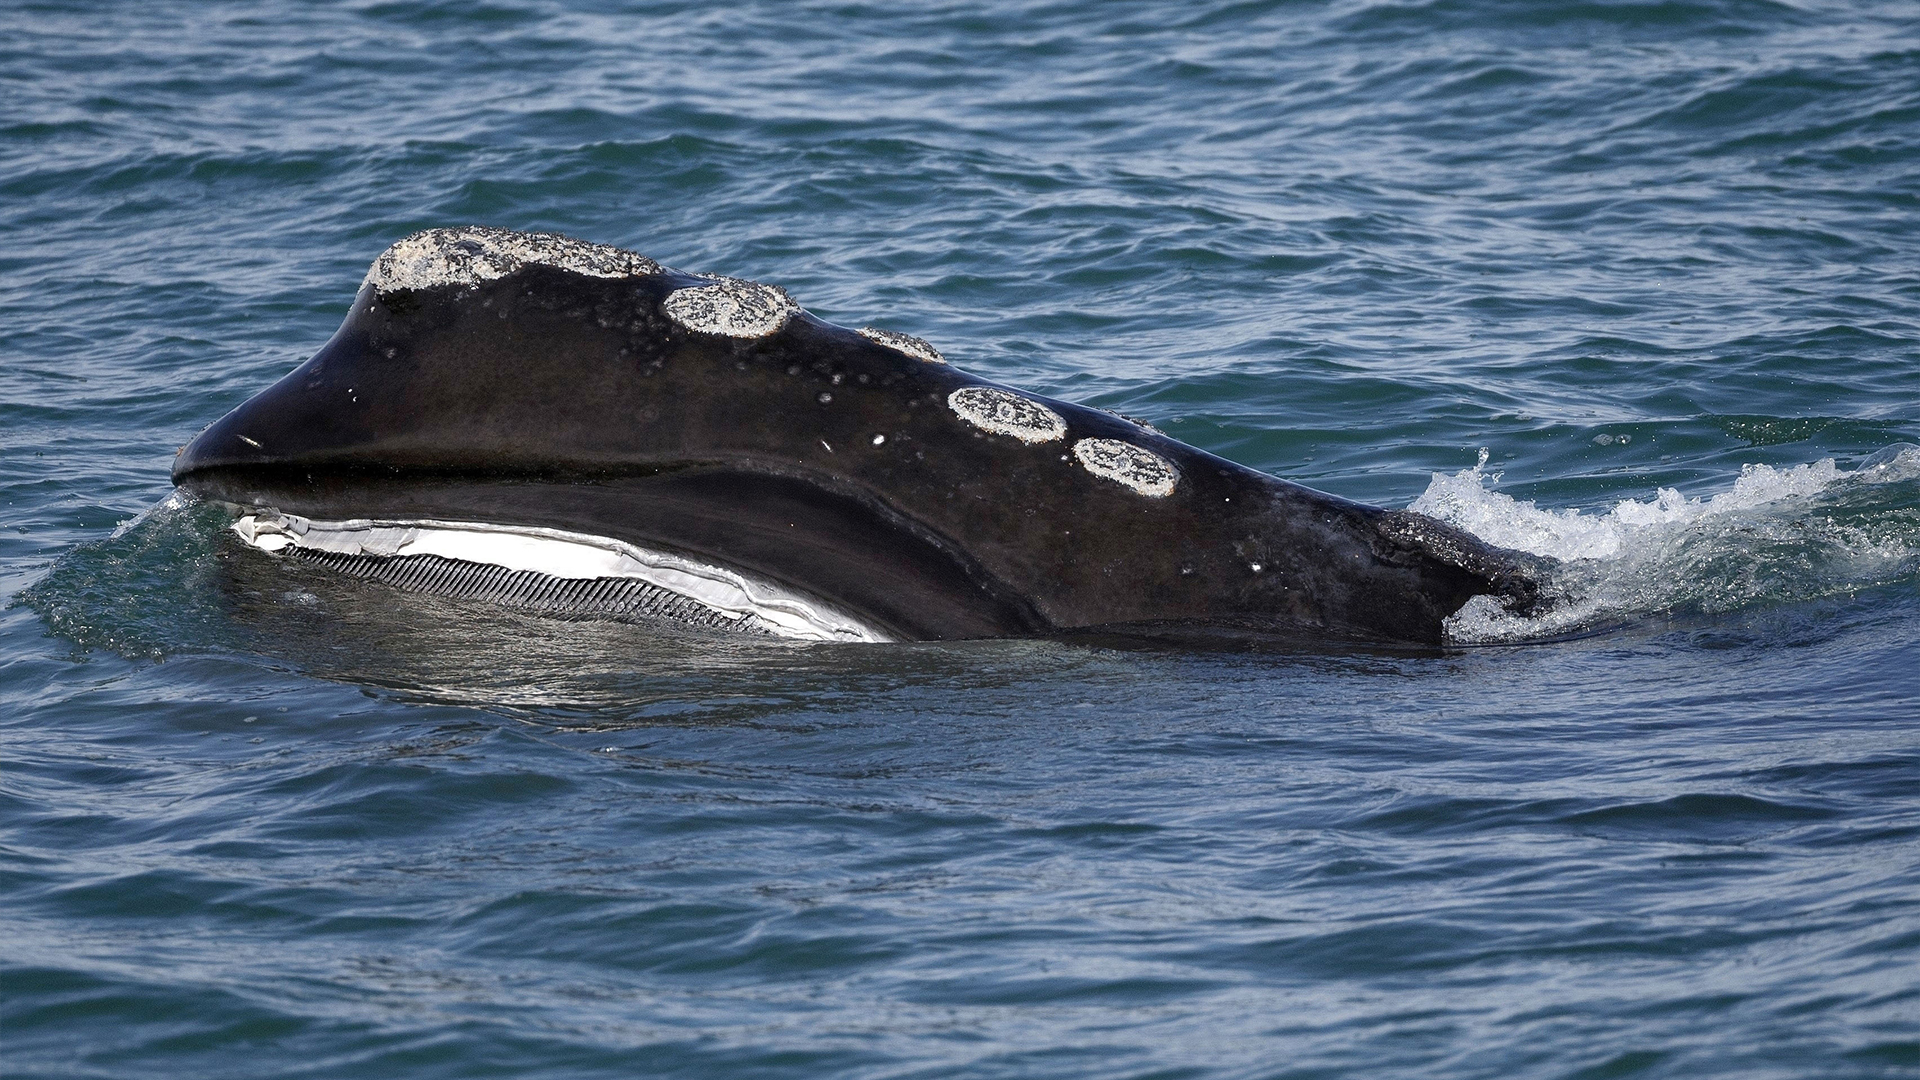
553	571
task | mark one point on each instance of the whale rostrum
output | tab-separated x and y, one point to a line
497	395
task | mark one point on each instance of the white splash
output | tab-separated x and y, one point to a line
174	500
1778	534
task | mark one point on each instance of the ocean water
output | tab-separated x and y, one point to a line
1632	283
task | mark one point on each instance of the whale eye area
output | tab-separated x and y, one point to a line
730	307
1142	470
1003	412
472	254
905	343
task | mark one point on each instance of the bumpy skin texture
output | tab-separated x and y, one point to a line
815	456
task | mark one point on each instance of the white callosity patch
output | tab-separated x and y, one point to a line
567	555
1779	534
1004	412
472	254
905	343
1142	470
731	307
1135	421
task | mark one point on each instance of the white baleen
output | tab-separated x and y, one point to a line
567	555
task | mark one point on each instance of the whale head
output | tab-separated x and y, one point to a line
534	384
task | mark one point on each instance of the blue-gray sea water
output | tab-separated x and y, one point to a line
1659	258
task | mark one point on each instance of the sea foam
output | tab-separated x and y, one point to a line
1778	534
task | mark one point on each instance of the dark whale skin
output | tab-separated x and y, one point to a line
818	458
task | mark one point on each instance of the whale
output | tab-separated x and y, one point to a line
575	428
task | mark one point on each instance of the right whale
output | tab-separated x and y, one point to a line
572	424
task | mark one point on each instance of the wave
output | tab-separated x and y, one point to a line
1779	535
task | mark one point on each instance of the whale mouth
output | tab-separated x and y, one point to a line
552	572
